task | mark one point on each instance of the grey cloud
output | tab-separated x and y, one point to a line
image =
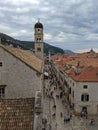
67	23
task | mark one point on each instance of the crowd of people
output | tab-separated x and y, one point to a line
50	91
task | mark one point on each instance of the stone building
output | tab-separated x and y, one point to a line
20	79
81	79
83	90
21	85
20	75
38	40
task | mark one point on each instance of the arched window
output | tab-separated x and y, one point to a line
85	97
38	49
37	39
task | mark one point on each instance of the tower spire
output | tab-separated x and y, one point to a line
38	20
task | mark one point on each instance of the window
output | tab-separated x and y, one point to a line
38	30
70	90
0	64
73	94
2	91
84	109
85	86
38	39
84	97
38	49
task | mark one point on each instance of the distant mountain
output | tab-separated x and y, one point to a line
2	35
28	45
69	52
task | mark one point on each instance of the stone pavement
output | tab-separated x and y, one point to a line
57	122
46	107
76	123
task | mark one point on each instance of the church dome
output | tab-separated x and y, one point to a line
38	25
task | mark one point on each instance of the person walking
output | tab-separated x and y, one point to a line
61	114
64	120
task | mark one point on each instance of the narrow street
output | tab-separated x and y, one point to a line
46	108
55	111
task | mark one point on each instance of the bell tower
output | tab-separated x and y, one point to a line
38	39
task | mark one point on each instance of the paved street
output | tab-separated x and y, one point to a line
57	121
46	107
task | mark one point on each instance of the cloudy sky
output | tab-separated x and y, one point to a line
69	24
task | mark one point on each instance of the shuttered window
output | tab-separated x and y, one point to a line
0	64
85	86
84	97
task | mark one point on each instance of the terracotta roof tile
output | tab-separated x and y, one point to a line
85	59
89	74
25	56
16	114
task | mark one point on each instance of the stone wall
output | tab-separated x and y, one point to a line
20	79
92	91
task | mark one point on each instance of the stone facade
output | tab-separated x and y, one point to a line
21	81
38	40
77	90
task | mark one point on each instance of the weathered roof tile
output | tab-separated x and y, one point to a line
25	56
16	114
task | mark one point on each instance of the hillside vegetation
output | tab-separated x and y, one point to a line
28	45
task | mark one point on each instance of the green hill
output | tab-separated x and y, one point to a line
28	45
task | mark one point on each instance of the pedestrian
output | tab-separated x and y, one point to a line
92	122
68	119
64	120
70	115
54	106
86	115
56	125
63	102
61	114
